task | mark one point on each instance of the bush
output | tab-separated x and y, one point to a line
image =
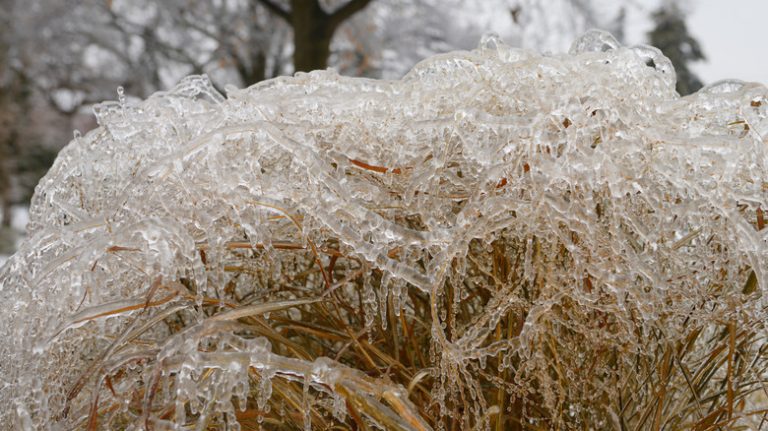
500	240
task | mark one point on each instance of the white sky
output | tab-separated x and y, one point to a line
730	33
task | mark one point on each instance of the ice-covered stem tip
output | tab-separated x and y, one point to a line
520	240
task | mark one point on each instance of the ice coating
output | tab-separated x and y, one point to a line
543	210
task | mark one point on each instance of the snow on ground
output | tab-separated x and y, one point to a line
19	220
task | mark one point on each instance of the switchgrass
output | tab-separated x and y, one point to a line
590	367
525	247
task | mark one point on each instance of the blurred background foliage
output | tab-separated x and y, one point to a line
60	57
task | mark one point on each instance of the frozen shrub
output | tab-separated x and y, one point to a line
499	240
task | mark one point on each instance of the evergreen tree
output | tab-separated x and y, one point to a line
671	36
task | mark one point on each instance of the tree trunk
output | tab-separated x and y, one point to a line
312	31
5	183
5	188
6	204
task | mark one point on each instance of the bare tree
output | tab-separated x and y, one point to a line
10	104
391	36
30	133
85	49
90	47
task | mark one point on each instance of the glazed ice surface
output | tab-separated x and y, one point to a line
576	198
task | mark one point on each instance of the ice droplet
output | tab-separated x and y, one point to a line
121	95
490	40
594	41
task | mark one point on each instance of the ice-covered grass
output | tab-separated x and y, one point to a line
500	240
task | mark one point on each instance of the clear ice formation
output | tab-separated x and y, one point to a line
589	204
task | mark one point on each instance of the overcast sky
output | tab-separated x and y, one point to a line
730	32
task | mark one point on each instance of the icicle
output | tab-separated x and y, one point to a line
307	404
121	96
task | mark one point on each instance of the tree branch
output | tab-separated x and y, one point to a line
345	12
276	9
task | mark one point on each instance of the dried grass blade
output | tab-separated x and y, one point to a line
257	309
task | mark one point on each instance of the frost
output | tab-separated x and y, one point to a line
562	219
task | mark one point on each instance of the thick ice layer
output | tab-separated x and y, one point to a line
574	203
